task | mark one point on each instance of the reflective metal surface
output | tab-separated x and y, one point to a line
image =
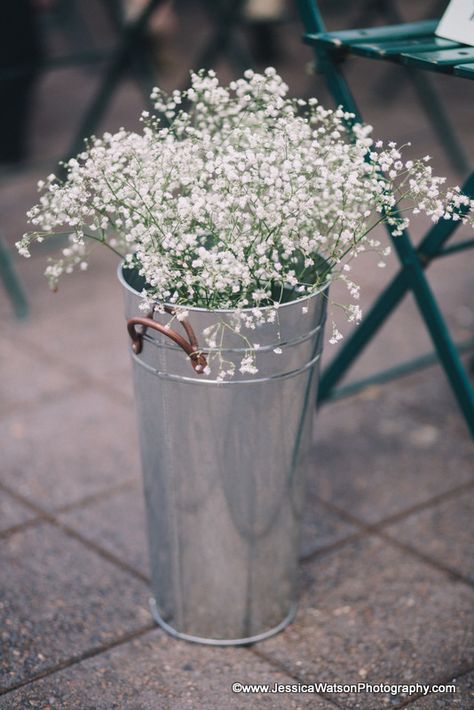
223	482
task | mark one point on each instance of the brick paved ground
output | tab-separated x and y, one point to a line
387	573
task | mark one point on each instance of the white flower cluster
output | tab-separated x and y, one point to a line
232	196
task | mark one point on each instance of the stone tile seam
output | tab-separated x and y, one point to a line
93	652
364	530
97	549
429	503
437	681
428	559
84	502
282	668
44	400
40	518
402	514
73	371
98	497
126	638
74	660
20	527
278	665
330	547
377	530
367	529
48	518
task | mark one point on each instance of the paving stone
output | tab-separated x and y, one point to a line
384	451
444	531
78	287
157	672
321	528
117	524
371	613
12	512
462	699
375	455
71	448
25	380
81	328
60	599
403	335
122	380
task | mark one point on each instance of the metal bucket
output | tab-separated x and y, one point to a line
224	484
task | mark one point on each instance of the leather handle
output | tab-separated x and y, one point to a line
190	346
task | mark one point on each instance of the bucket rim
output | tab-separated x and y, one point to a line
198	309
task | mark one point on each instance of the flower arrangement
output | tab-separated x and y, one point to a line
237	198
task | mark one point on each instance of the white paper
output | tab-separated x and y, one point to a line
457	22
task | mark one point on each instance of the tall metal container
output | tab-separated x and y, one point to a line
223	479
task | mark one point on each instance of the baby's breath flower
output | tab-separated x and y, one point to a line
244	200
336	335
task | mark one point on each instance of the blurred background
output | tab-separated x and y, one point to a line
57	55
70	68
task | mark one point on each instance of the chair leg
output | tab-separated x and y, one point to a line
434	110
411	278
414	261
118	66
227	16
12	283
447	353
362	335
438	235
440	121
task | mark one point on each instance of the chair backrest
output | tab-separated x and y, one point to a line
311	16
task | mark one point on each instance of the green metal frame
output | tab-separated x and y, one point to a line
127	52
328	48
12	283
123	57
226	18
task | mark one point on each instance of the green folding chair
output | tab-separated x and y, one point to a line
411	45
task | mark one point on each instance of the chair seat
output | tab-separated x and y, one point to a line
465	70
413	44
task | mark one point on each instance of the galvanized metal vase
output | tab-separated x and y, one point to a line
224	484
